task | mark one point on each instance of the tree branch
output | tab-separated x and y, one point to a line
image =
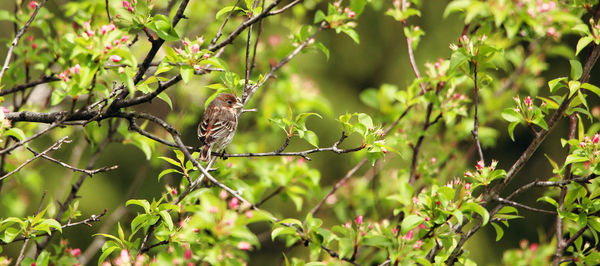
54	146
18	37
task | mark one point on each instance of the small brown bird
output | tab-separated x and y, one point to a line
218	124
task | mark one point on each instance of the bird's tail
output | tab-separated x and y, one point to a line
205	153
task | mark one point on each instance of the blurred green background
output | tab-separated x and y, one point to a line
380	58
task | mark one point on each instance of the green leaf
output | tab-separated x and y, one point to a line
323	49
282	230
358	6
556	84
366	120
165	97
9	234
351	33
511	130
474	207
576	69
549	200
456	6
161	24
312	138
168	171
411	222
166	217
370	98
594	222
499	231
187	72
170	160
106	253
510	115
582	43
457	59
459	216
142	203
227	9
592	88
15	132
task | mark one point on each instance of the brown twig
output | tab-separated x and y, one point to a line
18	37
475	131
22	252
54	146
85	171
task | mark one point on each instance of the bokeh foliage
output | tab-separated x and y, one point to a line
375	149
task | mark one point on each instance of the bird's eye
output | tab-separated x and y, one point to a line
229	102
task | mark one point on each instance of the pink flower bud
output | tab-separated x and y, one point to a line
223	194
124	256
395	230
234	203
596	138
186	43
249	214
32	4
206	56
528	101
418	244
33	46
533	247
108	47
187	254
348	225
76	69
351	14
126	4
75	252
468	173
467	186
422	226
581	144
130	9
359	220
408	236
551	32
90	33
198	68
195	48
480	165
86	25
115	58
244	245
124	38
427	219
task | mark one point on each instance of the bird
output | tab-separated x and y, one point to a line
218	124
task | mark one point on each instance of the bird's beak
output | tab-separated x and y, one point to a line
238	105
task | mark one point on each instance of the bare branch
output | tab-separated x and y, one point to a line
475	131
20	143
85	171
42	80
18	37
520	205
54	146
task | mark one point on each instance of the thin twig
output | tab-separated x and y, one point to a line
108	11
268	197
54	146
22	142
411	55
85	171
42	80
22	252
475	131
560	241
18	37
220	31
520	205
